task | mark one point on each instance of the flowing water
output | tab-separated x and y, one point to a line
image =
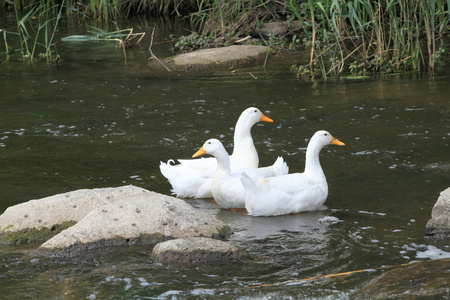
98	121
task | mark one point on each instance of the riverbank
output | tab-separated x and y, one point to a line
341	38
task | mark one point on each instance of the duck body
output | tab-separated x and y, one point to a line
227	190
226	187
192	177
291	193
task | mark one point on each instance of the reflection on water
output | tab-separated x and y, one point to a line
97	122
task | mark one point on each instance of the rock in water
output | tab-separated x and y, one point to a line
196	250
40	219
144	219
423	280
214	58
438	226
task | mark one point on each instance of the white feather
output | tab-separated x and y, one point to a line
291	193
191	177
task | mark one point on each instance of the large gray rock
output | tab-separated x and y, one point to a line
144	219
38	220
213	58
196	250
439	224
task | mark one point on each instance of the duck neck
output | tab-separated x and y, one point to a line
243	141
312	163
223	162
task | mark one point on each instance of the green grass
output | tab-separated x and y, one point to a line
376	36
342	36
36	28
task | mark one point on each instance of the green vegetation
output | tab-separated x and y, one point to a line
36	28
195	41
367	37
358	37
109	10
124	37
31	235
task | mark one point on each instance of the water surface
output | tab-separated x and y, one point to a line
101	121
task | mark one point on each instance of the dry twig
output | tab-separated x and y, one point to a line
153	55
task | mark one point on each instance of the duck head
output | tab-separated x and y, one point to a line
253	115
322	138
212	147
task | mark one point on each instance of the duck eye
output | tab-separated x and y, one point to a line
326	134
256	110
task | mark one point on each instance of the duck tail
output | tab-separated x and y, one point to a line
184	183
280	167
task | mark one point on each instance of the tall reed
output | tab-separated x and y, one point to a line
377	35
37	27
230	17
363	36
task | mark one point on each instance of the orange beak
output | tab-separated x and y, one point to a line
335	141
201	151
265	119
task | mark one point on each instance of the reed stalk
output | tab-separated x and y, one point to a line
374	35
30	31
381	35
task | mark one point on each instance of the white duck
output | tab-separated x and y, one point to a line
291	193
191	178
226	188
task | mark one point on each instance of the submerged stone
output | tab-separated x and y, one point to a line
196	250
438	226
144	219
424	280
213	58
38	220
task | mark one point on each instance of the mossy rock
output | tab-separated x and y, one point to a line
424	280
80	248
32	235
144	219
38	220
196	250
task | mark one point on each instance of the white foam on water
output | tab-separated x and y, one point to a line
144	282
135	177
372	213
128	285
329	220
92	296
432	252
200	292
167	294
366	152
424	251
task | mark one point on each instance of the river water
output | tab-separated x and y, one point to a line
99	120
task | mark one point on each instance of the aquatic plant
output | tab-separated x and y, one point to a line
379	36
195	41
108	10
124	37
35	29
